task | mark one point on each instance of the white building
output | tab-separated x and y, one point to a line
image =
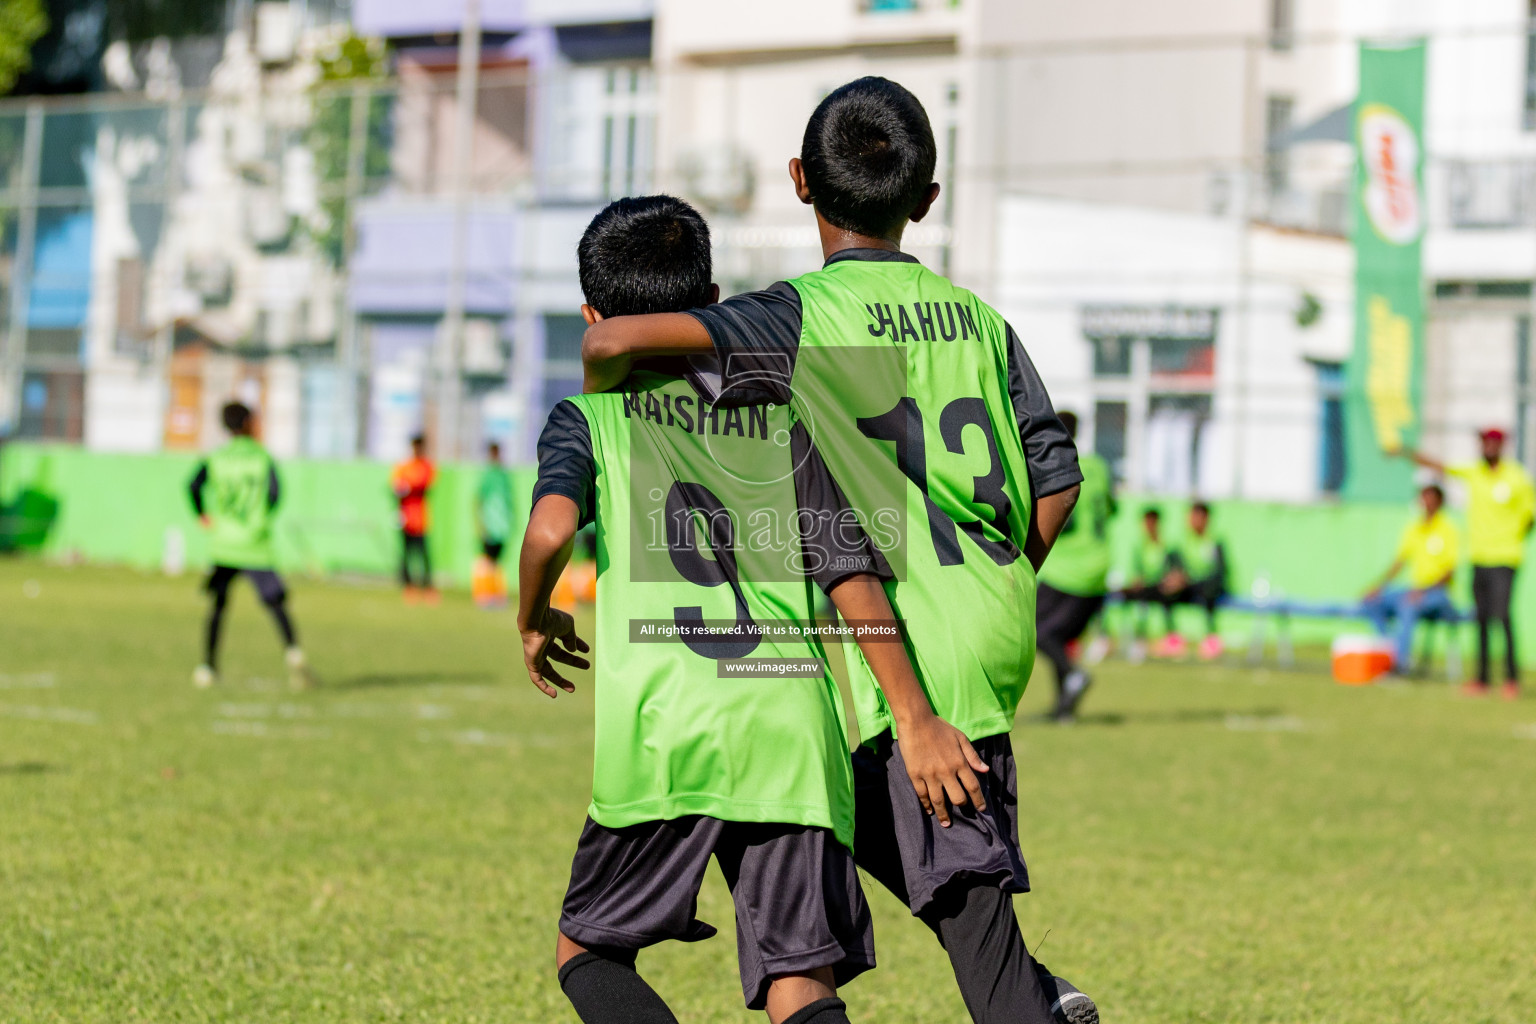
1146	192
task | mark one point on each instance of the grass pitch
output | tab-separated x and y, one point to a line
1210	844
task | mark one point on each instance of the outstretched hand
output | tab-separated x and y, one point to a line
941	764
553	639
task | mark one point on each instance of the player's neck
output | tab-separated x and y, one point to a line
1493	463
835	239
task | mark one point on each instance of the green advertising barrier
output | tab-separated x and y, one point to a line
1384	379
336	518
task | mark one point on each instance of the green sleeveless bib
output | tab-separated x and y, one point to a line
235	499
697	530
902	378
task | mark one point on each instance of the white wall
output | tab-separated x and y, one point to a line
1056	256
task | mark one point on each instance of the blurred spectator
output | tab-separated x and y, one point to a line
1149	561
493	521
1428	551
1501	503
1197	574
411	480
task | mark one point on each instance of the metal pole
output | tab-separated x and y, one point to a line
15	352
451	391
1254	150
163	348
346	341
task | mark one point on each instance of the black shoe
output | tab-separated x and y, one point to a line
1068	1004
1072	689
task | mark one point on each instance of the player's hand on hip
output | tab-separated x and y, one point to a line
942	765
553	640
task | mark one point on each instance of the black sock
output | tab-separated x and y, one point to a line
831	1010
211	635
279	612
992	965
609	991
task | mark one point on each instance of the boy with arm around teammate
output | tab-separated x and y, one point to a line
908	377
691	759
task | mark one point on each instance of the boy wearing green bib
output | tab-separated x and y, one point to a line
719	730
235	493
1197	574
1075	579
936	427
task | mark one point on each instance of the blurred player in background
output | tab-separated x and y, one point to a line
235	493
493	521
411	480
1428	551
1149	563
1196	574
1501	503
1074	578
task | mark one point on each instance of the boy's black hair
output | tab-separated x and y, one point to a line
1201	506
1439	491
418	439
236	417
645	254
1151	513
869	155
1068	420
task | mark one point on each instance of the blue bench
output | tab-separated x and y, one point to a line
1274	614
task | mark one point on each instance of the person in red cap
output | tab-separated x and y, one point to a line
1501	506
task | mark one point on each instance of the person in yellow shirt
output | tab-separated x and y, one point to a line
1501	506
1428	551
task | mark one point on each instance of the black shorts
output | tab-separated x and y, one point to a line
1062	616
797	895
267	583
904	847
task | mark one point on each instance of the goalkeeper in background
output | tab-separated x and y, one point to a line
235	494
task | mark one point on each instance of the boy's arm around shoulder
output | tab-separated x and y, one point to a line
940	760
610	346
549	634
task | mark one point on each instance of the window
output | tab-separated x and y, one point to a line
600	136
1282	24
1278	113
562	337
1109	422
52	405
1154	377
1330	430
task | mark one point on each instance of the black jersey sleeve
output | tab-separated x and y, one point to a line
756	337
835	543
566	463
1048	449
195	488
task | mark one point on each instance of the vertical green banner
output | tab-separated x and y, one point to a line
1384	383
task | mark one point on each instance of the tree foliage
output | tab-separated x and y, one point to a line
352	59
22	23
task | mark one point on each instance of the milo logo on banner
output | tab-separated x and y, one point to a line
1389	154
1384	379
